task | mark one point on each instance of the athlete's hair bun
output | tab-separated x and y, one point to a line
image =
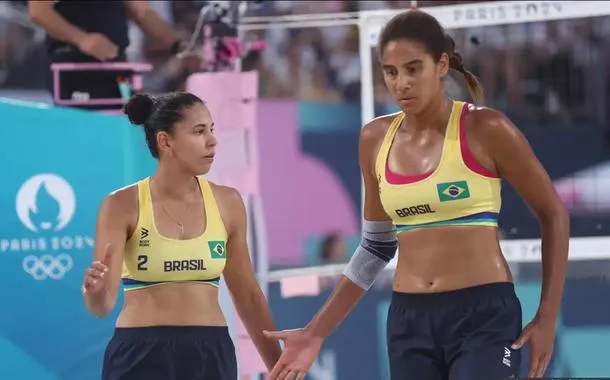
140	108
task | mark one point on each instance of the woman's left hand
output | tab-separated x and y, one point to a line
540	333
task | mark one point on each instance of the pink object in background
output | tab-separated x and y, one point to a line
57	68
302	196
300	286
231	98
587	191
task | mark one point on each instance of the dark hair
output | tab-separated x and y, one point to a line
422	27
158	114
327	245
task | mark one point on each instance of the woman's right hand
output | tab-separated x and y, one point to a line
94	284
300	350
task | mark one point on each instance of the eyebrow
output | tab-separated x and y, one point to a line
203	125
410	63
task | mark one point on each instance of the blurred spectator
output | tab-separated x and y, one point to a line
333	249
345	64
96	31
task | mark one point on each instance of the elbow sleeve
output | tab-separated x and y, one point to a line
377	247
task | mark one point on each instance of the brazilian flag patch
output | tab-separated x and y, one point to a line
217	249
452	191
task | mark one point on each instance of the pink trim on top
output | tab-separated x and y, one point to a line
399	179
469	160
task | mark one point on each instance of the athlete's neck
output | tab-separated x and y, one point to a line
172	183
434	116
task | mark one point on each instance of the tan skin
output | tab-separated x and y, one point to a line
183	155
445	258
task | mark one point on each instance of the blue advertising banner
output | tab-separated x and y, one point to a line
58	165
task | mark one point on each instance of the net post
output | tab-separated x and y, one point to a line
367	93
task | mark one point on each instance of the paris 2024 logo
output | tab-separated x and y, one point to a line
45	205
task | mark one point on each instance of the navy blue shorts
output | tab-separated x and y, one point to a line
463	334
170	353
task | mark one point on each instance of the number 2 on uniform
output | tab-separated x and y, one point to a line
142	260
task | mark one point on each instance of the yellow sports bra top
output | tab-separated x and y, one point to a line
460	191
152	259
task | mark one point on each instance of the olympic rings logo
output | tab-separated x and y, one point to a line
48	266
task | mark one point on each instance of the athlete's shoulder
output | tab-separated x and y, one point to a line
489	124
480	115
124	190
381	122
121	205
230	205
377	128
226	195
123	198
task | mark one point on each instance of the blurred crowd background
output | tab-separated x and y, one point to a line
551	72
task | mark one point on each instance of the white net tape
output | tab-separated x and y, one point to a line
489	14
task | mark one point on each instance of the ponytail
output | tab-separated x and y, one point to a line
456	63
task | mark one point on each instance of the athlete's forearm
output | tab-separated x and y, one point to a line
57	26
343	299
99	305
256	316
555	245
377	247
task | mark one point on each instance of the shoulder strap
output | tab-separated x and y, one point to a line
451	145
384	149
144	202
209	201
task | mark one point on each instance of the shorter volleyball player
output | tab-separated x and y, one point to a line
169	238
